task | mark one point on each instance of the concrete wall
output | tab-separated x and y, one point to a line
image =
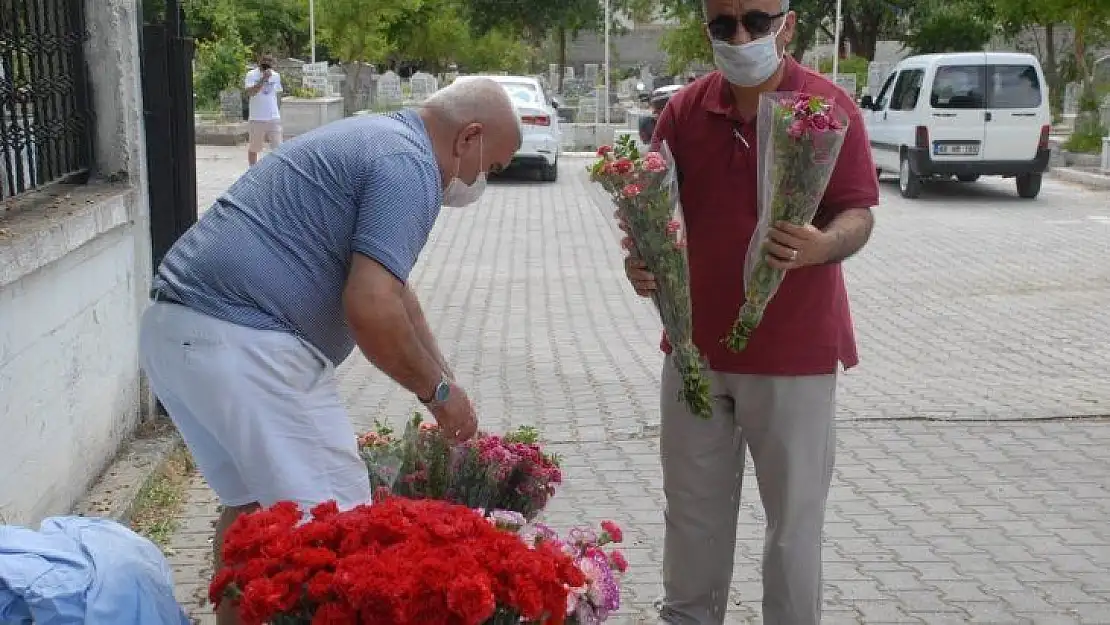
74	278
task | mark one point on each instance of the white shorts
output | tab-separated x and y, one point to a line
259	410
260	133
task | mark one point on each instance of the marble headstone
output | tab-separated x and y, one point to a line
389	88
423	85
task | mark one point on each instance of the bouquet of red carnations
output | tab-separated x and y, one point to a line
799	139
645	190
490	472
398	562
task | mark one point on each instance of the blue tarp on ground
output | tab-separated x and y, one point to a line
88	571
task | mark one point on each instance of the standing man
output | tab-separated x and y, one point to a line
647	124
302	258
264	125
777	397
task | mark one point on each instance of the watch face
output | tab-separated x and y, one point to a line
443	391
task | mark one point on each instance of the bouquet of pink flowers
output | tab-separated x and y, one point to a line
490	472
596	600
645	191
799	137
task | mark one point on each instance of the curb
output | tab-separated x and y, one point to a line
1078	176
114	493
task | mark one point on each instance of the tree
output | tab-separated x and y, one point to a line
1089	20
949	26
868	21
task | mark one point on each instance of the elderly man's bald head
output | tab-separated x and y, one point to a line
474	127
470	100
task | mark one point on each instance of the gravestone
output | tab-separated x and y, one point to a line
627	87
876	74
389	89
1071	98
587	110
647	78
590	74
315	76
231	105
568	73
423	85
553	75
1104	112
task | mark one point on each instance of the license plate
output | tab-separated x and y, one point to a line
956	149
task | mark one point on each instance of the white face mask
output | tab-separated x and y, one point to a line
749	64
459	194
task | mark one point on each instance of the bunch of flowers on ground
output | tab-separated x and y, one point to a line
799	139
645	191
595	600
491	472
398	562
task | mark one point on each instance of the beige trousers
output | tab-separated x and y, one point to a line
787	423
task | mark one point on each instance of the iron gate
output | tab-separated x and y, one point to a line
170	134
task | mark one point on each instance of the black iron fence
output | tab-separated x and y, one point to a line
45	119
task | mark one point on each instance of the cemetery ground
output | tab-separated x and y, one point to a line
974	444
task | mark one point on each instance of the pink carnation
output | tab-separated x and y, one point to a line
632	190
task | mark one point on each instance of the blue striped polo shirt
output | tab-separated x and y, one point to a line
274	251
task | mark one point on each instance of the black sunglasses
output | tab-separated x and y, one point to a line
757	23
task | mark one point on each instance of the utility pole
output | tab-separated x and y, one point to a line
607	20
836	40
312	27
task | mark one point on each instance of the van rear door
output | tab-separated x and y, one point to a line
1015	106
957	108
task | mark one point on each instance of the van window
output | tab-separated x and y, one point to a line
884	93
959	87
1014	87
907	90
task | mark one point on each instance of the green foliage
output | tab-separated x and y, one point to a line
220	64
852	65
949	26
1087	138
687	44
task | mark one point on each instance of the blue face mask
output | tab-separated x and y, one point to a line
749	64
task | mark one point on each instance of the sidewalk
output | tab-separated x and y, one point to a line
961	494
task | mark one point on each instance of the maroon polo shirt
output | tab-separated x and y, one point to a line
807	326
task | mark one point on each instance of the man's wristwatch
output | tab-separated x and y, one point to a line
440	394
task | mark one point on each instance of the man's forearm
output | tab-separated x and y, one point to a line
848	233
385	334
423	332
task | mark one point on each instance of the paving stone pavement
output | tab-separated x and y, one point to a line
964	491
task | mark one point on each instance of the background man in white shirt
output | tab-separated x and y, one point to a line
263	85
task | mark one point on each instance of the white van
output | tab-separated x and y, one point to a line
961	115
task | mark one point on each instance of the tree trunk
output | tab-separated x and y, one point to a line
803	39
1052	70
561	33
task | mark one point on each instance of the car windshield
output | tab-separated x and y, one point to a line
523	93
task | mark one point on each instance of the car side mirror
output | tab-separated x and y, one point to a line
867	102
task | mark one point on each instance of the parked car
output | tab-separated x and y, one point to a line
542	136
962	115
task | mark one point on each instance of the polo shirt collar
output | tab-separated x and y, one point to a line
718	96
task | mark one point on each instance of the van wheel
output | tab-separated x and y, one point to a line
967	177
1029	185
550	173
909	183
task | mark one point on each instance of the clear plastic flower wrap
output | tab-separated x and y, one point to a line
799	139
645	191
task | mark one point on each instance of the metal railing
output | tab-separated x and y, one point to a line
45	118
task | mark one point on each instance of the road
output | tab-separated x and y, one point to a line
973	468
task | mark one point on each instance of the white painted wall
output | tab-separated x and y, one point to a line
74	278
